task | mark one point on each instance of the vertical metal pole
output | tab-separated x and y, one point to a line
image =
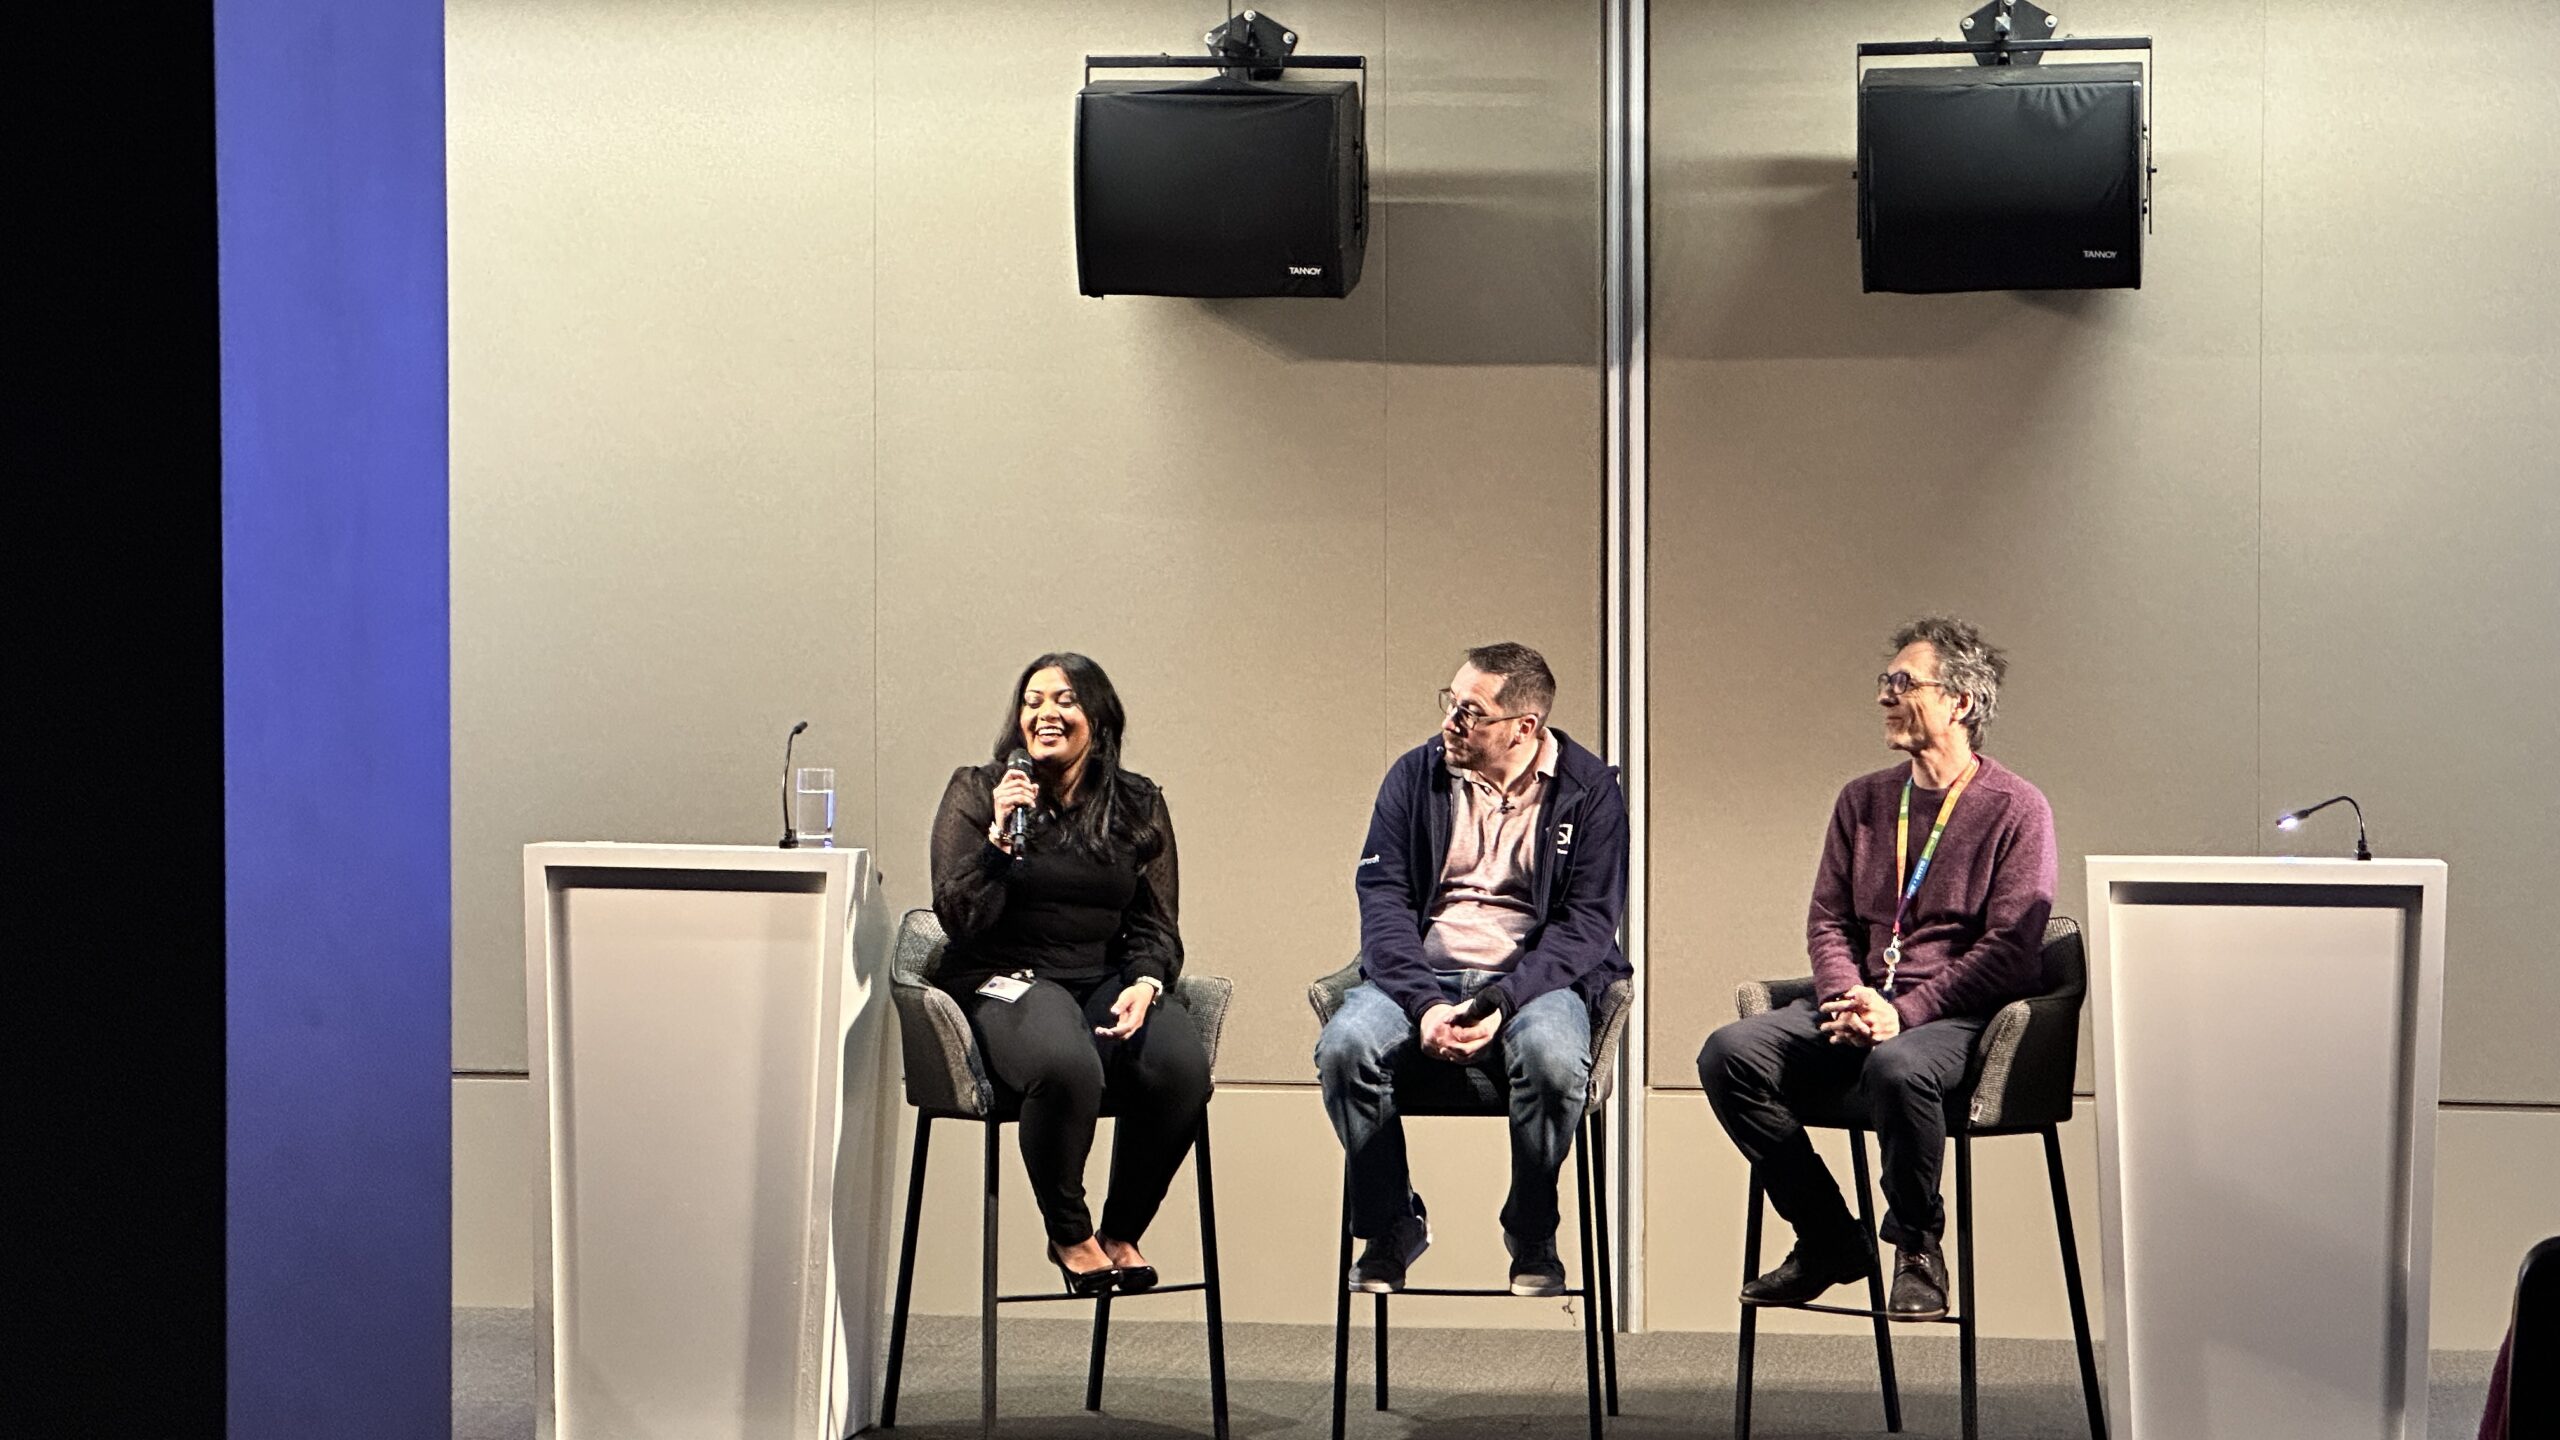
1624	384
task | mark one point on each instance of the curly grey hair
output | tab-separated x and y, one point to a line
1968	665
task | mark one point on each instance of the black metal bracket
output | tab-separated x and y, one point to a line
1212	62
2001	23
1995	32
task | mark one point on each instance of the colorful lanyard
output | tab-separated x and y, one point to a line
1920	872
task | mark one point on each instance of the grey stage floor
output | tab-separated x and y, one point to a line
1449	1384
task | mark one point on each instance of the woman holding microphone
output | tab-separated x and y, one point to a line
1054	877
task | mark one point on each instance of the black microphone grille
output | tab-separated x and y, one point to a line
803	725
1020	759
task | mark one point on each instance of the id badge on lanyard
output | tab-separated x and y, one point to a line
1920	872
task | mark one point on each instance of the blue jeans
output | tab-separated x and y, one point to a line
1543	1051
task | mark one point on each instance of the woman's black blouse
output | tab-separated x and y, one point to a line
1058	913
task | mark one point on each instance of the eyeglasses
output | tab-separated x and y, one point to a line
1898	683
1466	713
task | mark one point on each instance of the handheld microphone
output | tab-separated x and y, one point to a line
790	836
2292	819
1017	826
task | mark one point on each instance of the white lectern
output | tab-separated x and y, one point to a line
711	1066
2268	1036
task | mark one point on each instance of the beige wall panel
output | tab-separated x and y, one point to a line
2413	412
1215	598
497	1191
2497	1195
2075	472
661	340
1493	526
1488	197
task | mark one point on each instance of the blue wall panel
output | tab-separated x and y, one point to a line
336	729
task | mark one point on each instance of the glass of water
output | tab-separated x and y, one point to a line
813	806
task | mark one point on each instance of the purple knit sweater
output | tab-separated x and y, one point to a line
1973	939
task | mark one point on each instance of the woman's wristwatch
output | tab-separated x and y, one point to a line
1150	982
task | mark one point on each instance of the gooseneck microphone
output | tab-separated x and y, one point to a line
1017	826
2292	819
790	835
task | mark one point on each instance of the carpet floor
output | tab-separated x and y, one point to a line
1449	1384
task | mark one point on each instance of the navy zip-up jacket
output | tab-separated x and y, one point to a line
1580	880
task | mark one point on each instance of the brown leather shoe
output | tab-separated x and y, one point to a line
1919	1284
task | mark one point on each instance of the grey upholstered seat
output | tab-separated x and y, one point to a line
947	1080
1473	1089
2020	1079
2019	1083
1454	1090
945	1073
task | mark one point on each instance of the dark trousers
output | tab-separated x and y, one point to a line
1762	1072
1042	1046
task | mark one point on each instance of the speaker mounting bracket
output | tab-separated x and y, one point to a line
1251	46
2000	23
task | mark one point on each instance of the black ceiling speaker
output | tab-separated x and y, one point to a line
2001	178
2006	174
1241	185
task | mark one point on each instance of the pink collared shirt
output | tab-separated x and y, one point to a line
1485	902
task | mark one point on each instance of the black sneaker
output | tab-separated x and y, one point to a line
1535	1270
1919	1284
1812	1267
1384	1260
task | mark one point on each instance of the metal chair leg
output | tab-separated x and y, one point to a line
1101	1347
2071	1282
1209	1281
1966	1379
1750	1315
1606	1274
987	1295
1885	1377
1378	1331
1342	1308
1591	1289
906	1274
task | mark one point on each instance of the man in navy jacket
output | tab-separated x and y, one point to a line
1495	871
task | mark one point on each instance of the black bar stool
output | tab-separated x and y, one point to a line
2021	1085
948	1080
1471	1091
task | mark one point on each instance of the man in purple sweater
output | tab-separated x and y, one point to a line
1928	914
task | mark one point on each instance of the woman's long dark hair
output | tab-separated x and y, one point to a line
1116	818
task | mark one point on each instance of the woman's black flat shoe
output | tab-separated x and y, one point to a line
1086	1283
